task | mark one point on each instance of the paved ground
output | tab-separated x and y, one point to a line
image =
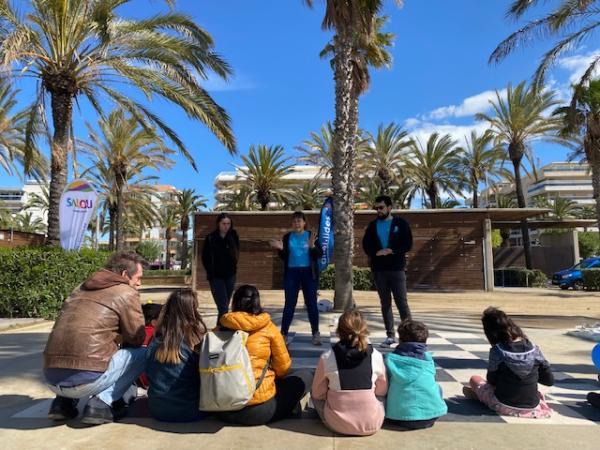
458	345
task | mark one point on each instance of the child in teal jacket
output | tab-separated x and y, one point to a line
414	399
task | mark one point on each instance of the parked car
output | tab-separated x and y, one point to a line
572	277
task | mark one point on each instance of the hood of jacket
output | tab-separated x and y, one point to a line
406	369
103	279
412	349
244	321
521	363
350	356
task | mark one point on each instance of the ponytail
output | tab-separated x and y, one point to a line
352	329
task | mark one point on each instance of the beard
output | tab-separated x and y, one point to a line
383	214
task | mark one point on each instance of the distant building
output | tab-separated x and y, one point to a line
15	199
301	174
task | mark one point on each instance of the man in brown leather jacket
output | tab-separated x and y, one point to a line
95	348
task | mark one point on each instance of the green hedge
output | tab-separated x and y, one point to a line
34	282
164	273
591	279
520	277
363	279
589	243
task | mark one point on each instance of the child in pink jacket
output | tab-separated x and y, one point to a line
349	379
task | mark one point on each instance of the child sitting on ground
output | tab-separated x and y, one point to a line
348	380
515	368
414	399
151	312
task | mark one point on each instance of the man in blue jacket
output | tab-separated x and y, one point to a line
386	242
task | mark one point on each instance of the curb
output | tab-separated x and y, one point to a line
18	326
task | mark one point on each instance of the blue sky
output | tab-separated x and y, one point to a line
282	90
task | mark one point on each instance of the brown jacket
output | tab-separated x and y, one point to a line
99	316
264	341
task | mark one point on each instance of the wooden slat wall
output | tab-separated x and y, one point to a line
447	251
20	239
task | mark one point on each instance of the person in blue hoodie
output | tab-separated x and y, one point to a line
414	399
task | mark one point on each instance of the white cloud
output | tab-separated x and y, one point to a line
423	129
235	83
468	107
576	65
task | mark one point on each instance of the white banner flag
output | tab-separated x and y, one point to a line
77	204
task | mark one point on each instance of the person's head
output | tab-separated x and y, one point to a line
151	312
499	328
247	299
224	223
412	331
383	206
298	221
178	322
352	330
128	265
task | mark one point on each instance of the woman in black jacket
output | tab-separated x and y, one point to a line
220	257
300	252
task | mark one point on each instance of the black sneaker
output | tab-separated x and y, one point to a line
97	412
63	408
593	399
119	409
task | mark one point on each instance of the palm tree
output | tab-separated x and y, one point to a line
581	121
12	131
435	167
169	221
187	204
569	23
39	201
353	49
520	118
318	150
309	197
385	155
265	167
124	147
82	49
239	199
479	159
26	223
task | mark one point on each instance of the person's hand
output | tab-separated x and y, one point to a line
312	240
276	244
384	252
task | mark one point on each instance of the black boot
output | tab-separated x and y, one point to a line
593	399
63	408
97	412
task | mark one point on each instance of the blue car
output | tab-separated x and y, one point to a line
572	278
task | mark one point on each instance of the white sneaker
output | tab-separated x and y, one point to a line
388	342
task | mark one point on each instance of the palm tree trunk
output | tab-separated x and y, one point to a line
345	129
62	113
475	196
120	238
522	204
592	152
112	213
167	253
432	194
184	247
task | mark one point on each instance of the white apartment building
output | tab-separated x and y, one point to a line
300	174
15	199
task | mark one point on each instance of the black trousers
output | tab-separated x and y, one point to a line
289	391
412	424
222	290
388	283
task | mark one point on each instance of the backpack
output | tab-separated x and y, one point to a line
226	377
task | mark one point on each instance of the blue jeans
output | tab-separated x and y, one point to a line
297	278
123	369
222	289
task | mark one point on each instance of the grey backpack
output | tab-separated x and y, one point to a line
226	377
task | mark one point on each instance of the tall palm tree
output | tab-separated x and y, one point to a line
385	155
479	159
520	118
25	222
569	23
309	197
353	48
84	49
318	150
169	221
124	146
39	201
435	167
12	132
187	204
264	169
239	199
581	121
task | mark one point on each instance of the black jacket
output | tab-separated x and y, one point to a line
400	242
515	369
220	255
314	253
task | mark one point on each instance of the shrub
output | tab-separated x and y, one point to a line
34	282
591	279
148	250
519	277
363	279
589	244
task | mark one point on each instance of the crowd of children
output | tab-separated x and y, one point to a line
355	389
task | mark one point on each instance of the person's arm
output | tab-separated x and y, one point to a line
316	252
320	384
381	383
494	360
131	321
405	241
206	257
280	357
283	253
369	246
545	375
